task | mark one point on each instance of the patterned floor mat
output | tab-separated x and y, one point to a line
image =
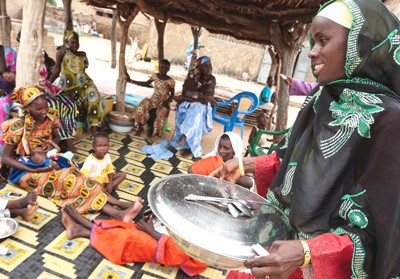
40	248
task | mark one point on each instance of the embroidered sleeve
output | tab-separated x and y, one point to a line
331	255
265	169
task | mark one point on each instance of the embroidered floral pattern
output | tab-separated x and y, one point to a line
352	211
353	111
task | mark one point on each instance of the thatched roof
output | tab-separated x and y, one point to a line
246	20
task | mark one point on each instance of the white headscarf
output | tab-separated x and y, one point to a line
236	141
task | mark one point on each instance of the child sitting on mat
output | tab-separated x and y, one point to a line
98	165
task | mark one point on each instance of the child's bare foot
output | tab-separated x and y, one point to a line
181	141
73	229
130	213
29	211
29	199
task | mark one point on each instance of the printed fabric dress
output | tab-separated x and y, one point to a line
75	82
61	186
162	89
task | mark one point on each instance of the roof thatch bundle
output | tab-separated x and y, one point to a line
246	20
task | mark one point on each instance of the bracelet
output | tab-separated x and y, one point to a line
241	168
307	254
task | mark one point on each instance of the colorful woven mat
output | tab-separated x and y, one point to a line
40	249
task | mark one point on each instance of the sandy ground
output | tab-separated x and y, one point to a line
98	51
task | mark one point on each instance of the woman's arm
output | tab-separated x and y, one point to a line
170	98
57	68
8	159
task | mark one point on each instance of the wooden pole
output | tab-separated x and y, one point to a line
287	44
113	37
30	50
126	13
196	32
5	25
160	26
68	25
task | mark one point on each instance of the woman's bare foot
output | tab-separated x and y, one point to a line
28	212
181	141
74	230
130	213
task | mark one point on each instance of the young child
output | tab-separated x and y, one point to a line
98	165
24	207
262	123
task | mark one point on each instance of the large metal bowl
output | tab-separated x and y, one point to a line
8	226
208	233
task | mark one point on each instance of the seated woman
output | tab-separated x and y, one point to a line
193	118
62	186
72	63
164	88
227	146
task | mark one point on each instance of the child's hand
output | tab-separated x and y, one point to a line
109	188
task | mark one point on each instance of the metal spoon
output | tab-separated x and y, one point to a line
242	207
233	210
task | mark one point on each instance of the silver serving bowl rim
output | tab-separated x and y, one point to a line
230	261
11	223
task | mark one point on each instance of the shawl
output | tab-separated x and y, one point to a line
338	173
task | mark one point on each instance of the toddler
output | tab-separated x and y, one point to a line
98	165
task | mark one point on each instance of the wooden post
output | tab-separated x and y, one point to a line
196	31
113	37
5	25
30	50
287	44
68	25
160	26
125	15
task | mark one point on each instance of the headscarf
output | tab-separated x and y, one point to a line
338	12
236	141
27	94
69	35
340	161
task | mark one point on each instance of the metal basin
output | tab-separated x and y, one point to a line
8	226
208	233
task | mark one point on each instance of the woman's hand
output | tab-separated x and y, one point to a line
43	169
229	171
285	257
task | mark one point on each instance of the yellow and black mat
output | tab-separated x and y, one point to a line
40	249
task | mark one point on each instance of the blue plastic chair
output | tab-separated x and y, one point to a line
246	103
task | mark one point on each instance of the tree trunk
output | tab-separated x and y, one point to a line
30	50
287	59
160	26
5	25
287	44
68	25
196	31
125	18
113	37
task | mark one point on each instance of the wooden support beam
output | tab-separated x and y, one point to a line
5	25
30	50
